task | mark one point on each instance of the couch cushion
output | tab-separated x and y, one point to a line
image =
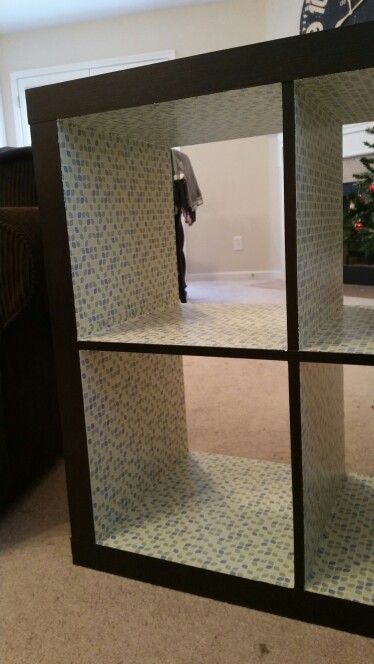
20	259
17	179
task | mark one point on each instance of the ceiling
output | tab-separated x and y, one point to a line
27	15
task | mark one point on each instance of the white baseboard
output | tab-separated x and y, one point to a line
235	276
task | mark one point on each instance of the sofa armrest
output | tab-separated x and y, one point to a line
21	265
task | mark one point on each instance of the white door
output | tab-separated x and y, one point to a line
3	140
23	80
23	84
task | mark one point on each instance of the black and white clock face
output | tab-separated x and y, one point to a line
319	15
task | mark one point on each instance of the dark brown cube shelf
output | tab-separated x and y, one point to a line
262	534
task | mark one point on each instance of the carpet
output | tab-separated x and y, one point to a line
55	613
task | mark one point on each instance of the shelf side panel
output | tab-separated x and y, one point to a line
322	432
119	209
136	428
319	212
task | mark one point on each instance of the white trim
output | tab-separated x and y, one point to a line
18	78
3	140
235	276
354	128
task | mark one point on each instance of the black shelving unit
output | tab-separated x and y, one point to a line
140	504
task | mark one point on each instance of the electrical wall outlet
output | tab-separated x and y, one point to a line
237	243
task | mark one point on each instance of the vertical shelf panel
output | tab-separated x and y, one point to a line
119	210
322	432
289	170
136	428
319	214
47	165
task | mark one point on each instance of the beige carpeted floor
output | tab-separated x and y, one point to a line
240	407
52	612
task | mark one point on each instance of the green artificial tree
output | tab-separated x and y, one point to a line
358	230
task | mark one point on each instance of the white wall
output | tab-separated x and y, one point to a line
352	165
241	187
282	18
188	30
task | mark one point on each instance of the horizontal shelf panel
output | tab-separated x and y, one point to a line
226	514
344	564
196	120
353	333
232	326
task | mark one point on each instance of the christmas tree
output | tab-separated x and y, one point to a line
358	233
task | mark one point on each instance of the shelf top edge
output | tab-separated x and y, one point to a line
177	349
303	56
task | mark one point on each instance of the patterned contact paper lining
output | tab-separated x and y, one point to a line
222	325
322	437
136	426
319	210
120	218
219	116
353	333
216	512
344	564
334	93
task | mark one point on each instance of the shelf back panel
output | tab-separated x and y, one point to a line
120	218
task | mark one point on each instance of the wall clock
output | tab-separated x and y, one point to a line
319	15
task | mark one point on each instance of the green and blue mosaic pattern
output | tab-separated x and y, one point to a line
136	427
227	514
344	564
334	93
219	116
319	209
120	219
222	325
322	436
352	333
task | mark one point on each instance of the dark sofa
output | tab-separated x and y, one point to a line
30	434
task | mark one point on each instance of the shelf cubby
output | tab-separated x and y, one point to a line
322	106
138	498
123	254
153	496
338	505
